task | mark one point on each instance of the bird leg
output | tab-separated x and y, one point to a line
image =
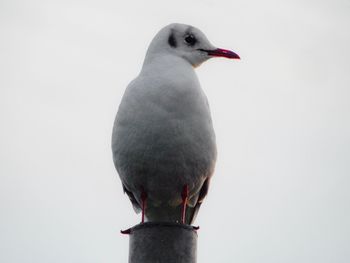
143	205
184	196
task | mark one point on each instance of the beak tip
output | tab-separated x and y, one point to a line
219	52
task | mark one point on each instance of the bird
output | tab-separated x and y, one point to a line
163	140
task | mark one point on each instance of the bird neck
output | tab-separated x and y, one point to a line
165	62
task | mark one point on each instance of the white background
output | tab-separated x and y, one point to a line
280	192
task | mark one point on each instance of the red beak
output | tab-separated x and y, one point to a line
222	53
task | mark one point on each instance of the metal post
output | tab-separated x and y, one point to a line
153	242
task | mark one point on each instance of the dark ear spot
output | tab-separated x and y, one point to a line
172	40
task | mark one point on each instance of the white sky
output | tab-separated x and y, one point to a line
281	188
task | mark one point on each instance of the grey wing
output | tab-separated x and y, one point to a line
133	200
191	216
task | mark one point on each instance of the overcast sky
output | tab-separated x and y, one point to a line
280	192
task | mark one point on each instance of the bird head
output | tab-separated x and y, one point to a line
188	43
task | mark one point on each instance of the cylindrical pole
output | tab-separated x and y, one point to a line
153	242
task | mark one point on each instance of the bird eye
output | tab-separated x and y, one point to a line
191	40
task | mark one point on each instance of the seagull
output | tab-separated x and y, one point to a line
163	141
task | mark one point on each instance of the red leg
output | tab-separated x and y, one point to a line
184	196
143	205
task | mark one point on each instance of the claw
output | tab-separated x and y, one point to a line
126	232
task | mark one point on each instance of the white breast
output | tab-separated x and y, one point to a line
163	136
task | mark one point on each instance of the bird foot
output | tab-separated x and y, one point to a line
126	232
